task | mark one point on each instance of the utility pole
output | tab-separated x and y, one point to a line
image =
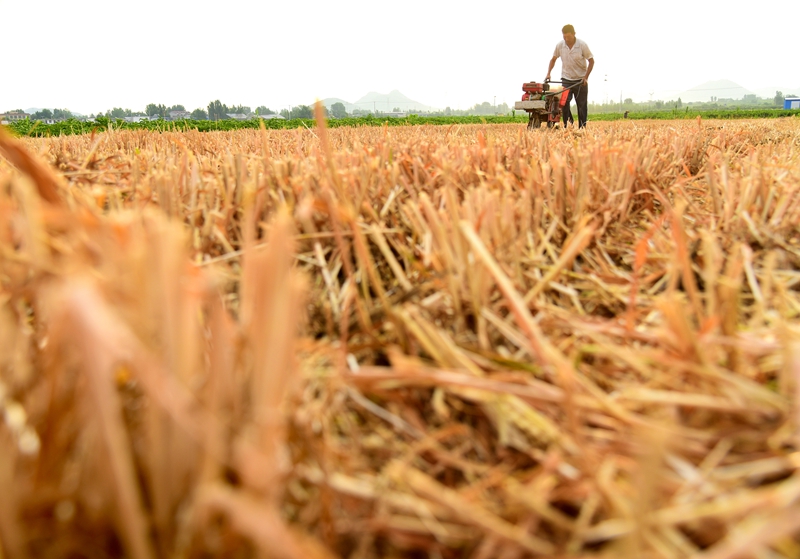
495	103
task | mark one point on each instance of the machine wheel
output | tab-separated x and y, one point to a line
534	122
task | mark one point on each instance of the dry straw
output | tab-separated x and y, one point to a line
465	341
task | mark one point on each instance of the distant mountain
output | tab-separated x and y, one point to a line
330	101
389	101
382	102
723	89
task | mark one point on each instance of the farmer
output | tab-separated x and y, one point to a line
574	72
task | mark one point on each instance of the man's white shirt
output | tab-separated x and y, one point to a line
573	61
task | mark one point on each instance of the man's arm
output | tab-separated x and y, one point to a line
588	71
552	64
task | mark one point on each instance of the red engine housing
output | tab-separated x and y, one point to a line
533	89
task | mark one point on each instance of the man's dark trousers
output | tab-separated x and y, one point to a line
581	95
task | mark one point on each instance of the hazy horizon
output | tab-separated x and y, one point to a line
91	56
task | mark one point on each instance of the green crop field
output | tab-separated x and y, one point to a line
70	127
727	114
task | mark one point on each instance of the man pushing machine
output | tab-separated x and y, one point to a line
574	55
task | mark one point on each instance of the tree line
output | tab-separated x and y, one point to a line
748	101
216	110
55	113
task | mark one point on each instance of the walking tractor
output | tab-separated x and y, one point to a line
541	104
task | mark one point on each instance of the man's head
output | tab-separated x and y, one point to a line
568	32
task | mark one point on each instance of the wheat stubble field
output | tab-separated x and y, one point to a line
465	341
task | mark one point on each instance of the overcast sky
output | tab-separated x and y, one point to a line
92	55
